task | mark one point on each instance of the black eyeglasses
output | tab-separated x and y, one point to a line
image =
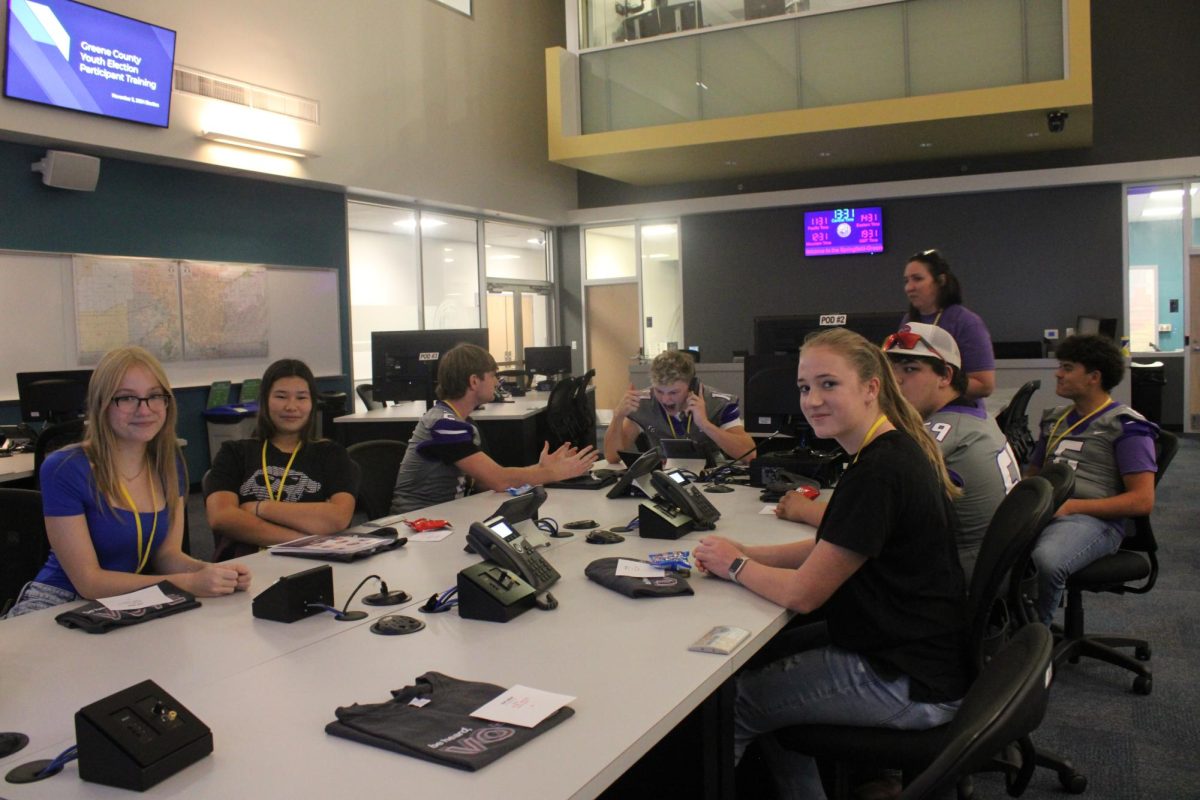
129	403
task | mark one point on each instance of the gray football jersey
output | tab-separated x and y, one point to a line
1091	450
978	456
653	421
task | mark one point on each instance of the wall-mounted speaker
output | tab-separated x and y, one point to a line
64	170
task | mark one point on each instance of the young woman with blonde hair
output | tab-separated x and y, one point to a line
883	567
115	503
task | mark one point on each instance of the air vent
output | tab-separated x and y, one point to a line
246	94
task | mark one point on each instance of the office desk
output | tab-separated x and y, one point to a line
16	467
513	432
267	689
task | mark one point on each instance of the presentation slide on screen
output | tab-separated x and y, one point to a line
71	55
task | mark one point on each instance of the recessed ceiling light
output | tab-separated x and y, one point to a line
538	241
448	260
701	84
1033	134
925	145
658	230
731	163
824	154
658	256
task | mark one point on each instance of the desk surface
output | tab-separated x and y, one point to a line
267	689
16	466
520	408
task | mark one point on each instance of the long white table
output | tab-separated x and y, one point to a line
16	467
267	689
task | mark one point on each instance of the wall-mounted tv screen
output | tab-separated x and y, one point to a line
843	231
70	55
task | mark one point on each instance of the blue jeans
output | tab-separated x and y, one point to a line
1067	545
36	596
825	685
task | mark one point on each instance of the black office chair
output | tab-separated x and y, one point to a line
366	393
23	543
584	411
560	413
379	461
1005	704
1013	420
55	436
1131	570
991	623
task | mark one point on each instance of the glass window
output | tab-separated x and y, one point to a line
662	288
514	251
384	277
450	257
609	253
1156	264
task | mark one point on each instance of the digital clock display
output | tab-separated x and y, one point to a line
843	231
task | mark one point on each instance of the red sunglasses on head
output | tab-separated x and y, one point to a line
908	340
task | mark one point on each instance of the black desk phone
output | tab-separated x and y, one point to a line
672	488
495	540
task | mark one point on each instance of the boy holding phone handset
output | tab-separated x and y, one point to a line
677	406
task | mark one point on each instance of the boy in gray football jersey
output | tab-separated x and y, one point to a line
1111	448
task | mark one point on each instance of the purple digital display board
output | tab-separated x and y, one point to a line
70	55
843	231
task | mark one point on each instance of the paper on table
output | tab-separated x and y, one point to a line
522	706
429	536
131	601
768	510
638	569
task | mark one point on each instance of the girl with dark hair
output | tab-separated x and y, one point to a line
285	482
935	297
884	567
114	504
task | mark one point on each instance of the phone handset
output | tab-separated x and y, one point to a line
672	487
496	541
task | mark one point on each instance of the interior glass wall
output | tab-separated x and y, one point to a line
412	269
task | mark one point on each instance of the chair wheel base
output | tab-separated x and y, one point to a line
1074	782
1143	684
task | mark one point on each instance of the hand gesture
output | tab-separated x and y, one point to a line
629	403
567	461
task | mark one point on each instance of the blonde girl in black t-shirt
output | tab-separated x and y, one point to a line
883	567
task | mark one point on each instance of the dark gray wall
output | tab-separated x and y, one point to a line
1027	260
1145	70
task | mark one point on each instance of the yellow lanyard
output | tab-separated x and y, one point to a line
671	421
1051	441
267	478
142	556
882	419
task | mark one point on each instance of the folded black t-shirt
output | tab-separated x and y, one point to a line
440	730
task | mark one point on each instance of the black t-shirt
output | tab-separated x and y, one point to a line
903	609
321	470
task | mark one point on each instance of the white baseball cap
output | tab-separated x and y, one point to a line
925	341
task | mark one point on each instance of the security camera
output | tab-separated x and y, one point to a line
1056	121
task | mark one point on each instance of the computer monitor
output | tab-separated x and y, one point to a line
548	361
1104	326
53	396
785	335
770	398
404	363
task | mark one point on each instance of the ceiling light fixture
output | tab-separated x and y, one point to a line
254	144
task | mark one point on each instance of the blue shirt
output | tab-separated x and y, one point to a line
68	490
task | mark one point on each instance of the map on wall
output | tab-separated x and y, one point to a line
224	310
127	301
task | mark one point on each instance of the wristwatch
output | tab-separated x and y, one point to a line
735	567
